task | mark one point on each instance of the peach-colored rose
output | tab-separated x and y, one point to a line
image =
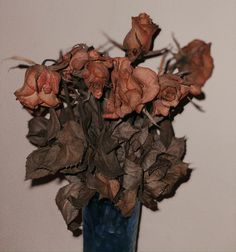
76	59
131	89
40	87
95	75
196	59
139	38
172	90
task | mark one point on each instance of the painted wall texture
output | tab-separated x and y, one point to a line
202	215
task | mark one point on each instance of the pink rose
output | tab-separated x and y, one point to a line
131	89
40	87
172	90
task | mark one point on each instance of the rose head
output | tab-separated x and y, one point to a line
95	75
76	59
195	58
139	38
131	89
40	87
172	90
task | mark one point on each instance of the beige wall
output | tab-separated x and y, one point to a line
202	215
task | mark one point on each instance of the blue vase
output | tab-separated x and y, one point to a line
106	230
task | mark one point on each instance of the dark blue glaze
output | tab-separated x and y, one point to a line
106	230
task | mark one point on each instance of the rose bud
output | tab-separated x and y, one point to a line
40	87
172	90
139	38
196	60
95	75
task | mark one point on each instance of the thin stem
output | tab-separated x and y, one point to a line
67	98
155	53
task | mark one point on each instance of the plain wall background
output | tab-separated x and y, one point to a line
202	215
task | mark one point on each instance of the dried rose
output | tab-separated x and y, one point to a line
139	38
173	89
195	58
40	87
132	88
95	75
75	60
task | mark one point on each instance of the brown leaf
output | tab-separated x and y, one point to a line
160	183
173	175
154	185
73	193
147	200
37	134
107	163
133	175
53	126
166	132
67	152
108	188
39	162
127	202
152	149
42	130
177	147
124	131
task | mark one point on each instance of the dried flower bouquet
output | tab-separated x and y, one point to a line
104	123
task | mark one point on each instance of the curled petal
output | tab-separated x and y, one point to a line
48	100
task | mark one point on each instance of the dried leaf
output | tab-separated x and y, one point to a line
70	199
147	200
107	164
166	132
173	175
133	175
127	202
66	153
53	125
108	188
124	131
177	147
37	134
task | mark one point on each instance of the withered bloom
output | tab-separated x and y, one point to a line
139	38
195	58
75	60
95	75
172	90
40	87
131	89
126	160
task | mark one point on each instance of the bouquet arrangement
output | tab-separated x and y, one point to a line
104	123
